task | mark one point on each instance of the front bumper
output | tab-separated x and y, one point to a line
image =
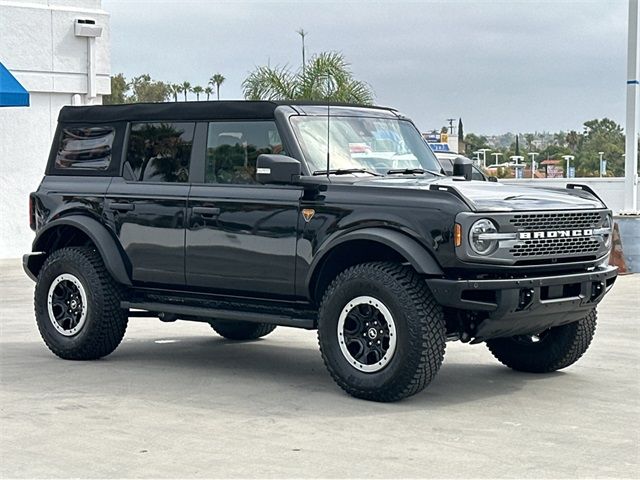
522	306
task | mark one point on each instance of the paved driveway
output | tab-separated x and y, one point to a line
175	400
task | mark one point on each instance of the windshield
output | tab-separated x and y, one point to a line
373	144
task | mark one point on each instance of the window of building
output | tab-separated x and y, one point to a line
159	152
233	149
86	148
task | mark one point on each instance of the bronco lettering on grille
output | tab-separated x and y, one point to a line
580	232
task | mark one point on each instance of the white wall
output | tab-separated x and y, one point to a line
39	47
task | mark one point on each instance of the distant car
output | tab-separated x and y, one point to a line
446	162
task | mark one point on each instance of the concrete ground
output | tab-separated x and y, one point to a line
175	400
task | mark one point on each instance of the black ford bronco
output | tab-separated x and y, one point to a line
252	215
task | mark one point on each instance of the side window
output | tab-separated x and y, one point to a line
233	149
86	148
159	152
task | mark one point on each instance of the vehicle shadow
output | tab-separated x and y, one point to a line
274	376
270	372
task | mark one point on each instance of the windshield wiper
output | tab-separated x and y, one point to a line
411	171
346	171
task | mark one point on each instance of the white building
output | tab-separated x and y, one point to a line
59	61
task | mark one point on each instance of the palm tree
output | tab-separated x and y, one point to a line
208	91
175	89
326	76
186	88
217	80
198	90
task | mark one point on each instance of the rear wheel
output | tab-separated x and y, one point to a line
241	330
77	305
548	351
381	333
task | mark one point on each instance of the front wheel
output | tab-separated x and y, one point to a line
381	333
548	351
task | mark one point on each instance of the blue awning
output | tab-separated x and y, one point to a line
12	94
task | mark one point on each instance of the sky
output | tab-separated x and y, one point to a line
518	66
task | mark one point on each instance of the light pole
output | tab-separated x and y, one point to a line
533	156
496	155
601	154
484	156
517	166
568	158
631	123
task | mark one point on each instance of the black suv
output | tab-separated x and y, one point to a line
252	215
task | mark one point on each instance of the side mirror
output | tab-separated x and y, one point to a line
278	169
463	167
492	179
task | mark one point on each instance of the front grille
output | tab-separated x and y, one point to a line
555	247
555	221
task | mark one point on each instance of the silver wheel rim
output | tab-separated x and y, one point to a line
367	334
67	304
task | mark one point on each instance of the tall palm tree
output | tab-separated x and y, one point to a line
217	80
198	90
186	88
208	91
326	76
175	89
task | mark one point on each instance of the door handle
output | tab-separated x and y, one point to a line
121	206
209	212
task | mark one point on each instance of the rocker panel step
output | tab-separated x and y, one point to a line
306	321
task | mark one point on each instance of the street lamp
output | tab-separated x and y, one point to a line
484	156
533	156
568	158
601	164
496	155
517	166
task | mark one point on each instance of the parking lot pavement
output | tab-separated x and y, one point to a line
176	400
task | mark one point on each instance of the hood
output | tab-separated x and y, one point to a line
495	196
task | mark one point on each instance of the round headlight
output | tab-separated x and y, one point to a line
482	246
608	224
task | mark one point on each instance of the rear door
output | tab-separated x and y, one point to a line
241	235
147	205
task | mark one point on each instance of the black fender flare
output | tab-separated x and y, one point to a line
417	255
114	258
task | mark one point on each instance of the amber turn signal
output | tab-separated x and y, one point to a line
457	235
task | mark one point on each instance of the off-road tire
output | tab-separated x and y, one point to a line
558	348
241	330
419	324
105	322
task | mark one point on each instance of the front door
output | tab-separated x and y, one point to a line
241	235
147	206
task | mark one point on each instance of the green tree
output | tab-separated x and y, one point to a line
208	91
186	88
474	142
601	136
198	90
530	138
119	89
325	76
144	90
572	140
217	80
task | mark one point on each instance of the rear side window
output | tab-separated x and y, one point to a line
85	148
159	152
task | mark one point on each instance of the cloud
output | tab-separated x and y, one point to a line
508	65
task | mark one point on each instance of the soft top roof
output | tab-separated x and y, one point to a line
185	111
